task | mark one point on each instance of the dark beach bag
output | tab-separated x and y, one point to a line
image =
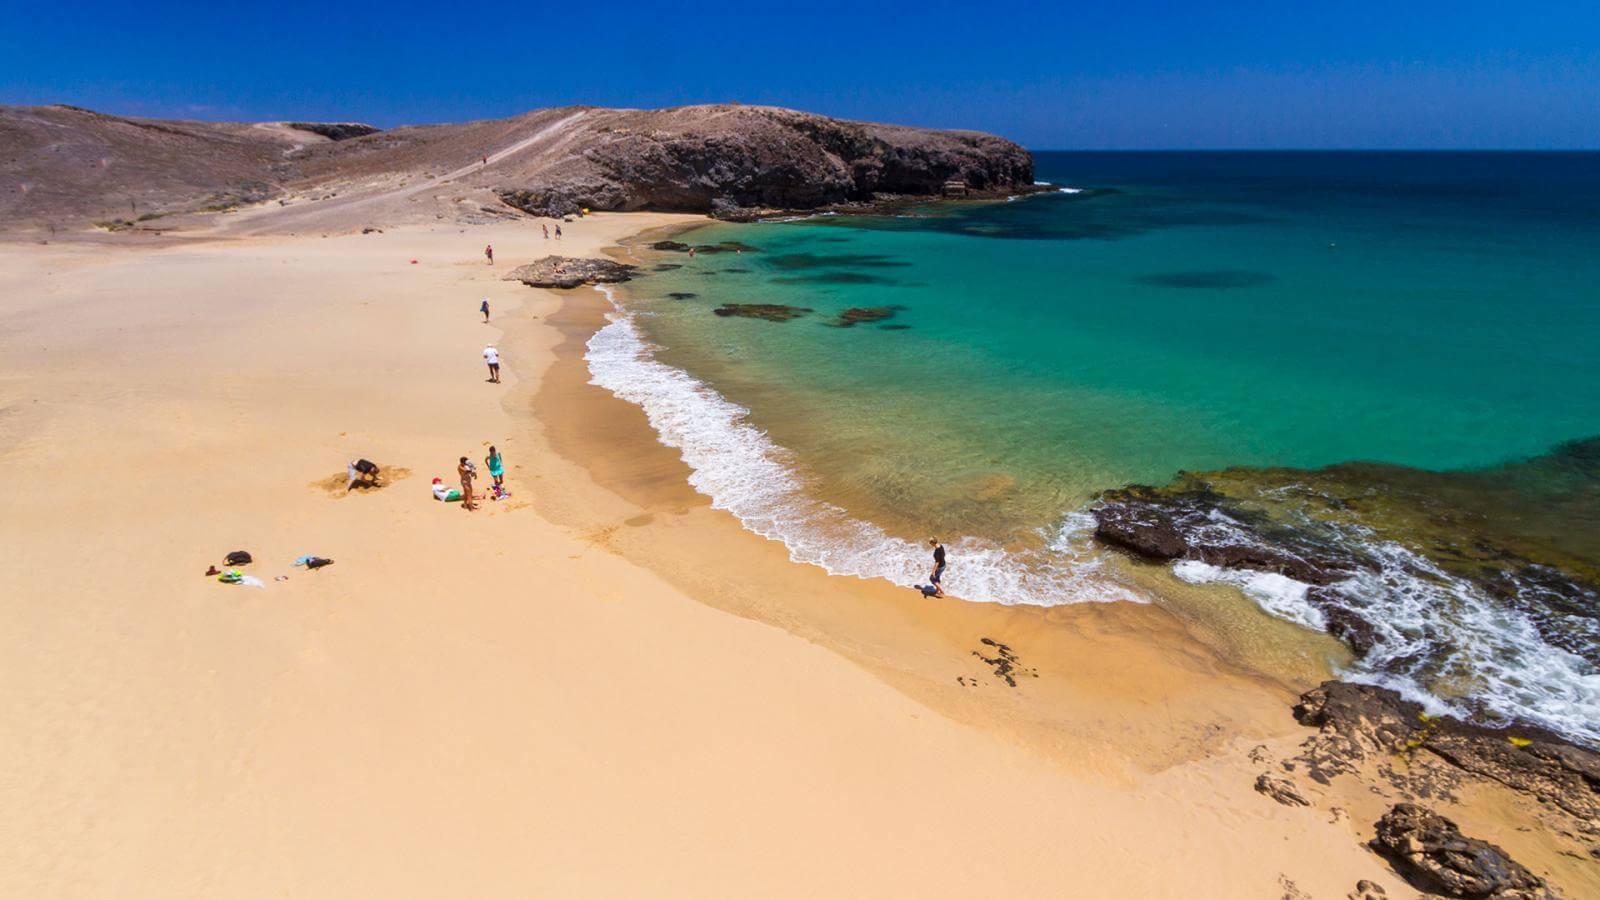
237	558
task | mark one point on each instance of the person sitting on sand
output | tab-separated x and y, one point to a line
364	471
492	357
484	308
497	466
467	472
938	567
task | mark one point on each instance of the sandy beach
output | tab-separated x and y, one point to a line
597	687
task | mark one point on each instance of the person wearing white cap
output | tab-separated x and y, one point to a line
492	357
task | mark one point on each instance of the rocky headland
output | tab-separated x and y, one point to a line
63	165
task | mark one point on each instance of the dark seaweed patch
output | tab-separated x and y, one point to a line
1217	279
792	261
682	295
834	278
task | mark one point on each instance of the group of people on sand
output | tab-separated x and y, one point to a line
468	472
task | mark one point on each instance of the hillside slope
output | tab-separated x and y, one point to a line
66	166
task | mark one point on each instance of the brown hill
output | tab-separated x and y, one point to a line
66	166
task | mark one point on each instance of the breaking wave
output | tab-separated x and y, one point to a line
744	472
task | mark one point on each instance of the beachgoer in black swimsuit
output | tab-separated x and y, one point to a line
938	567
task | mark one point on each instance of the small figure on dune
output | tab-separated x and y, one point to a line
546	230
558	232
486	160
484	308
492	357
488	251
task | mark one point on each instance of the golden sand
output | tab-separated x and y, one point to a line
598	687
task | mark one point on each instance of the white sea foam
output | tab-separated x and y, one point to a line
1433	632
1069	190
1279	595
744	472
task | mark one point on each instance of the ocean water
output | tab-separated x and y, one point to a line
1173	312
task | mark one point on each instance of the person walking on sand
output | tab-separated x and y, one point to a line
484	308
497	466
486	160
558	232
546	230
938	567
488	250
467	473
492	357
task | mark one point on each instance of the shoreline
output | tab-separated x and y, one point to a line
546	693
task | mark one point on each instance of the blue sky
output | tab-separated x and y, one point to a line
1133	74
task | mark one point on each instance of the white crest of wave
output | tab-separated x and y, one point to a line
1473	647
744	472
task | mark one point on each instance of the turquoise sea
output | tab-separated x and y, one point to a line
1175	312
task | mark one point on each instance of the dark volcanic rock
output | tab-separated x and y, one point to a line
731	160
335	131
855	315
670	246
1149	530
569	272
682	295
1358	721
1433	854
772	312
1281	790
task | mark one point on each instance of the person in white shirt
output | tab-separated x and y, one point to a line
492	357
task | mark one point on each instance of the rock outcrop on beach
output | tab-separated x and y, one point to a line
1433	854
67	165
570	272
1360	723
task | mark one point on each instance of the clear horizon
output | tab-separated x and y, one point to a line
1145	76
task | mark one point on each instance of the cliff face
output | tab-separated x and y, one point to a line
59	164
720	158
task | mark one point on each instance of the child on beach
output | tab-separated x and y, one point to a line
484	308
497	466
938	567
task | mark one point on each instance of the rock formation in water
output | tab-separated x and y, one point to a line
771	312
570	272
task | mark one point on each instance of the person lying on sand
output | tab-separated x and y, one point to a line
364	471
938	567
467	472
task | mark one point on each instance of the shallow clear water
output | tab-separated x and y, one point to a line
1183	312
